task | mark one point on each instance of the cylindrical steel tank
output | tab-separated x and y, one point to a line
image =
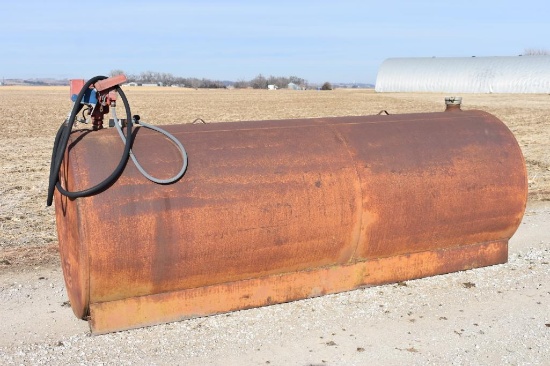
274	211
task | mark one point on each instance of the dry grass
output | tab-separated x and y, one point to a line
30	117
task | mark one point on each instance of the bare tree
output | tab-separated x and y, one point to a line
326	86
241	84
116	72
259	82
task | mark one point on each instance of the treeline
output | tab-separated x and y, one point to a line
535	52
261	82
168	79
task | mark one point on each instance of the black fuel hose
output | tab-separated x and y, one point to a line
62	139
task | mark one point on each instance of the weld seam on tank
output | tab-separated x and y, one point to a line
359	215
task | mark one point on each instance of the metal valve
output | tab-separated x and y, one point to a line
98	98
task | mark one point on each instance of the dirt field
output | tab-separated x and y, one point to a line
502	319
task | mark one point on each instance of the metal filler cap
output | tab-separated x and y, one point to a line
453	103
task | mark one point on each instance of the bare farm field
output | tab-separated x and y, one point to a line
494	315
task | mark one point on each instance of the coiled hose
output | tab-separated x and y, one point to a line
167	135
62	138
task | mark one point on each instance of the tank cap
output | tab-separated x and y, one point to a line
453	100
452	104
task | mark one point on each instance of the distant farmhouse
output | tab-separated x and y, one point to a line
517	74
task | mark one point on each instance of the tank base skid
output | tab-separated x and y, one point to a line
174	306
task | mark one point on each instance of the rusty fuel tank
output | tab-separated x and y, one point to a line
275	211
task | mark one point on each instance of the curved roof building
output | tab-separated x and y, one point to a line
515	74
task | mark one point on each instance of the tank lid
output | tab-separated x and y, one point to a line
452	104
453	100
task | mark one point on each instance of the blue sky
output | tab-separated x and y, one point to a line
337	41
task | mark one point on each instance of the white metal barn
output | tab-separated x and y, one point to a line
515	74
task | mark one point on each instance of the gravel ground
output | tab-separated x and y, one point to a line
487	316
